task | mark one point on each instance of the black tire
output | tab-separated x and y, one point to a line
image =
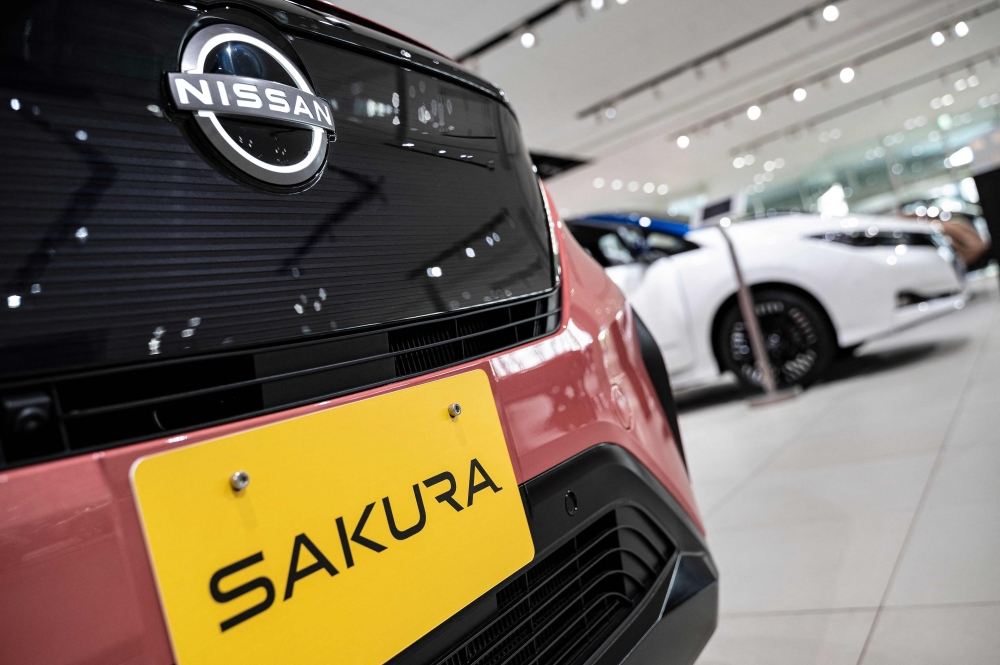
801	344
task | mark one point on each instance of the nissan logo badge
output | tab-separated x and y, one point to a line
211	96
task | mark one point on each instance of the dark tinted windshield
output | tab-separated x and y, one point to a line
619	244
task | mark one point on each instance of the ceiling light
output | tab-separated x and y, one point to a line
621	2
921	211
662	189
527	40
959	158
598	182
779	163
738	162
846	75
937	39
973	81
769	166
633	186
643	221
649	188
597	4
947	100
610	113
961	29
799	95
616	185
725	221
753	112
831	13
683	142
933	211
748	159
961	85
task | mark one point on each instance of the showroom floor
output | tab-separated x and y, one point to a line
860	521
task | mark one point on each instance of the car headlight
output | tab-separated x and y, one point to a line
874	237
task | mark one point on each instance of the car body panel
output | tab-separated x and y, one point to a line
658	291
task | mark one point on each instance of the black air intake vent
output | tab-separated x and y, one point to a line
69	414
566	604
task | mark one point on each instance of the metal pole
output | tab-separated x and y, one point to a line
745	299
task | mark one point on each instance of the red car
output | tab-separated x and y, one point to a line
298	365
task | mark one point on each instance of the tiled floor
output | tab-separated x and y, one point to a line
860	521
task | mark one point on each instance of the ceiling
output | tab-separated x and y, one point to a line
582	56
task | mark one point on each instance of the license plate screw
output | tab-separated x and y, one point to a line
455	410
239	480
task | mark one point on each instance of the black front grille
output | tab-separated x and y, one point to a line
69	414
567	603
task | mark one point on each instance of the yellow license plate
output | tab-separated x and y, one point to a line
362	528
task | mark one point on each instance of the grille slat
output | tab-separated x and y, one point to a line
561	609
107	407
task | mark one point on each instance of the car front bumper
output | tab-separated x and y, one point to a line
620	573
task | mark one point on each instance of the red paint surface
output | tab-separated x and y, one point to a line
76	586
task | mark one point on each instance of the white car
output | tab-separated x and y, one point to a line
821	287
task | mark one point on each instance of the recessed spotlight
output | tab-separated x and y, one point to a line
738	163
527	40
749	159
800	94
644	221
633	186
610	112
683	142
937	39
725	222
846	75
961	29
597	4
649	188
958	158
598	182
831	13
662	190
779	163
769	166
616	185
753	112
947	100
